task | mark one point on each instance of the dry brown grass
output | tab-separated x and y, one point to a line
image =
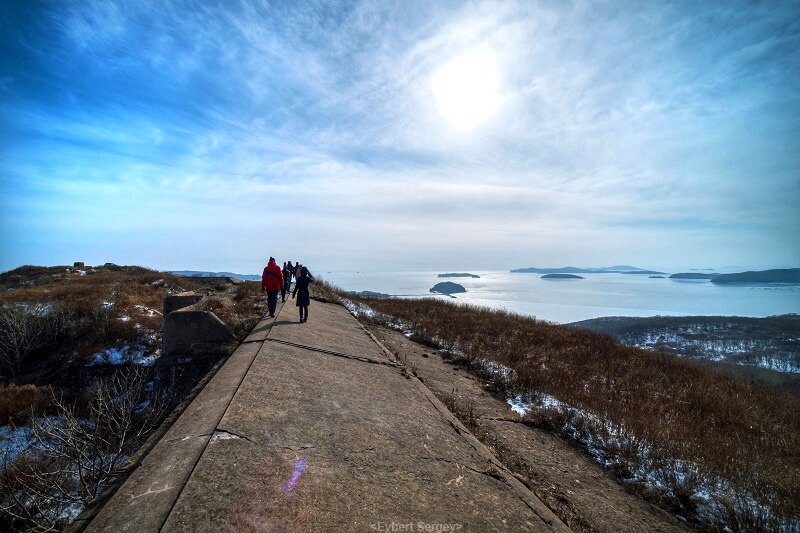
241	311
675	410
325	292
18	402
89	311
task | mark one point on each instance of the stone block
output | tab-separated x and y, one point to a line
192	332
173	302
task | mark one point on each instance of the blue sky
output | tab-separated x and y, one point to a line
209	135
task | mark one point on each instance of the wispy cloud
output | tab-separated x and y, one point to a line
208	137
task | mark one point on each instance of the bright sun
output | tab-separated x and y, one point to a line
466	89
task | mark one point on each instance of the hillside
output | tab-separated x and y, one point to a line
778	275
705	444
80	349
763	349
206	274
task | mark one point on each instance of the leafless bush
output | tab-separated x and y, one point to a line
72	455
23	330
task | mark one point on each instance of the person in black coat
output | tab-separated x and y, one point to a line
301	291
287	280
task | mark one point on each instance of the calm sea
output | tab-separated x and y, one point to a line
595	296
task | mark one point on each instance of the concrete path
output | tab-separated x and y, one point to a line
313	427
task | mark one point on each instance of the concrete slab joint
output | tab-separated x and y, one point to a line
191	331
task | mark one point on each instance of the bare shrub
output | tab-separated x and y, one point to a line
74	454
23	330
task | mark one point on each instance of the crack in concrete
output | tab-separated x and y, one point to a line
490	473
338	354
187	437
224	434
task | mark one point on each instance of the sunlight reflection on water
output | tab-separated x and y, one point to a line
595	296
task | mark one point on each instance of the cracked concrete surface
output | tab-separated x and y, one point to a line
323	431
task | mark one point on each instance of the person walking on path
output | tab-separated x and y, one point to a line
286	281
301	291
271	283
290	268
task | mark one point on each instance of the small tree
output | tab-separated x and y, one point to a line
21	332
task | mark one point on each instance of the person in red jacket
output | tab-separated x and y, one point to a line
271	283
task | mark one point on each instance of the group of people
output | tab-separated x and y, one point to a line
276	280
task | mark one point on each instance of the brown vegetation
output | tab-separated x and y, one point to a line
241	310
50	315
19	402
666	413
83	422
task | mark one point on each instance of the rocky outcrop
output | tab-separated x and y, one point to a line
562	276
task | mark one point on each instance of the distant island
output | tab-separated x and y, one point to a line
448	287
458	275
367	294
692	275
205	274
562	276
776	275
616	269
656	277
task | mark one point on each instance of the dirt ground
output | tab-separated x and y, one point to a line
578	490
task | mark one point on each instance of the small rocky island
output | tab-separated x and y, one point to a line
562	276
448	287
458	275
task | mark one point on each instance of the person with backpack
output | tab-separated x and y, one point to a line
272	283
302	293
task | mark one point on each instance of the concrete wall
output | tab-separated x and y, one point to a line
191	332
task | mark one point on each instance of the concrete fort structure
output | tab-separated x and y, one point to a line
190	331
315	427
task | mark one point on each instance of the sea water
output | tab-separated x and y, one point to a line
594	296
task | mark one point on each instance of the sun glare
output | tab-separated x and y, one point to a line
466	89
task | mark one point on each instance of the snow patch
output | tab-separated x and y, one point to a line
519	404
125	355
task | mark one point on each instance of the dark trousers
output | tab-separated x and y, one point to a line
303	313
272	301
